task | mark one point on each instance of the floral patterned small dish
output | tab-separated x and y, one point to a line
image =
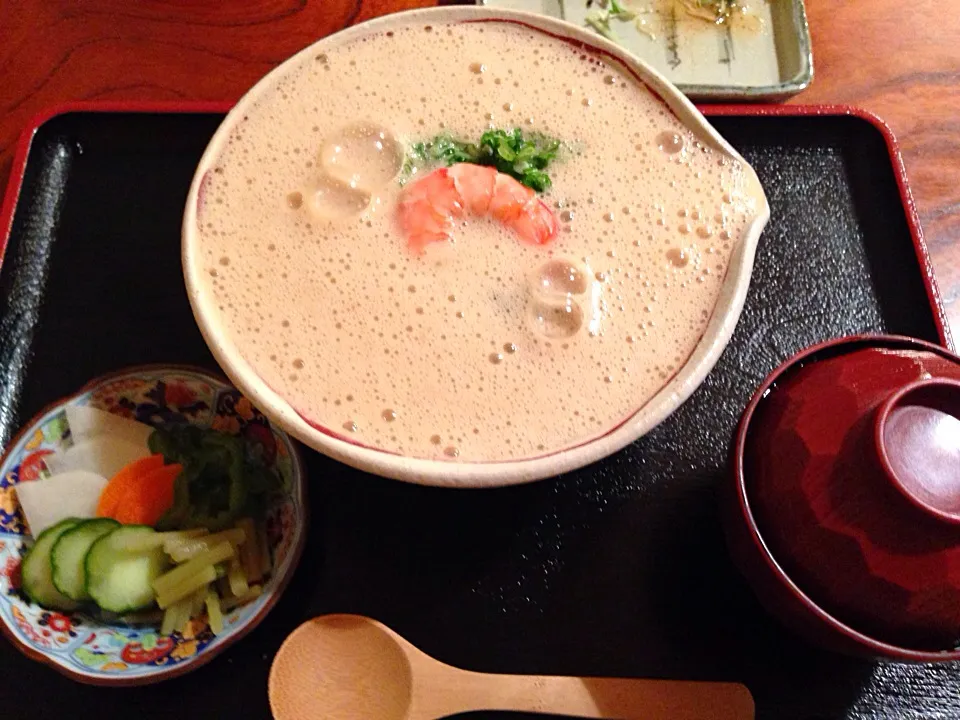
89	649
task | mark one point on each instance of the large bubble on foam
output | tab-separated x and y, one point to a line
559	290
363	156
555	318
561	277
331	199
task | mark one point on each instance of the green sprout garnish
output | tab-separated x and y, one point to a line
599	19
603	12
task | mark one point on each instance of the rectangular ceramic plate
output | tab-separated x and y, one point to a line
619	569
763	53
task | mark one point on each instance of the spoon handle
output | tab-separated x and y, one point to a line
610	698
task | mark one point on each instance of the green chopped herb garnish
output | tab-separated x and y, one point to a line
524	157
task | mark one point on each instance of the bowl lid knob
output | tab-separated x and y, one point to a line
918	441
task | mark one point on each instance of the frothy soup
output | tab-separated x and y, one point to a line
451	312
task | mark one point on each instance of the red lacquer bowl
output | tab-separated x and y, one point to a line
844	509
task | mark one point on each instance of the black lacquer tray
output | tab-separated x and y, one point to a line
619	569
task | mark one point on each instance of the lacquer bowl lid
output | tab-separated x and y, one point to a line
847	481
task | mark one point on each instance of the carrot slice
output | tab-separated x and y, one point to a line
148	499
119	484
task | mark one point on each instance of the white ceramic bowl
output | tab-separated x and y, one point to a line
478	474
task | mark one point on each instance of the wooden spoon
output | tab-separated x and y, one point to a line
347	667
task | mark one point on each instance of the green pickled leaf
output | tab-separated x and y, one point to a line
222	477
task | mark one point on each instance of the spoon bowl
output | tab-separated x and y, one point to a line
362	661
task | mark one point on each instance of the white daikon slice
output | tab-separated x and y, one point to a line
47	501
103	455
87	422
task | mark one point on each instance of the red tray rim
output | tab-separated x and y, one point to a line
24	142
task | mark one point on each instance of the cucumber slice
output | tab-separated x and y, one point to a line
69	553
37	571
121	581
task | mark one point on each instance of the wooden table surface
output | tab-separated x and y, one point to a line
899	60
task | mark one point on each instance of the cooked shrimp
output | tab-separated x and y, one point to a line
475	183
429	208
